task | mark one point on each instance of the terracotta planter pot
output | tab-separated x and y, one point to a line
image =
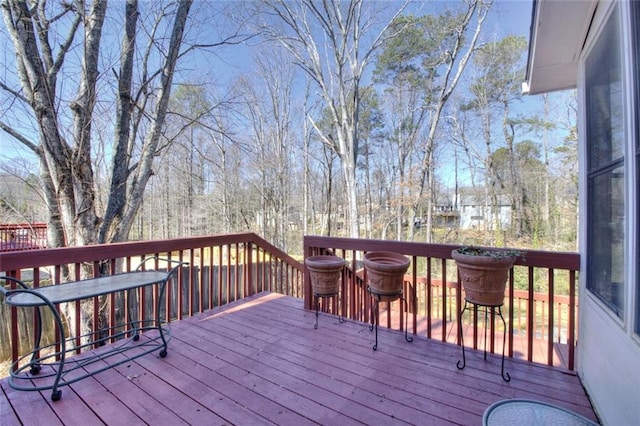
385	271
325	272
483	278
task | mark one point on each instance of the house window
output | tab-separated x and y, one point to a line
605	137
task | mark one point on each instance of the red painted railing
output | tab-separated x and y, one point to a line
221	269
23	236
541	326
229	267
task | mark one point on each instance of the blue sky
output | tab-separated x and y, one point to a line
507	17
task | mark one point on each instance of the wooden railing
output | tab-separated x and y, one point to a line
23	236
541	326
221	269
229	267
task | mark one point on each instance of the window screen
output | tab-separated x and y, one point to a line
606	169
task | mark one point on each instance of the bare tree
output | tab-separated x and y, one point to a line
464	41
330	41
419	70
269	113
43	37
500	69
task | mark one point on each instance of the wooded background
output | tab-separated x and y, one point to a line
157	120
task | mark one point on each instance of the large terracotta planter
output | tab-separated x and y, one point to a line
483	278
325	272
385	271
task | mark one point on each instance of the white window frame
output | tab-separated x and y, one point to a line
631	125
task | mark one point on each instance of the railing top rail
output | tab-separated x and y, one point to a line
39	225
267	246
80	254
534	258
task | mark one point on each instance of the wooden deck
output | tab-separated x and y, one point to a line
259	361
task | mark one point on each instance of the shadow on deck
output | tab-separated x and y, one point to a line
259	361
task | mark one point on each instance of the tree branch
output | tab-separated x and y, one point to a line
13	93
20	138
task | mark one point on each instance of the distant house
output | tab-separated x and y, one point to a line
471	209
479	212
594	46
445	215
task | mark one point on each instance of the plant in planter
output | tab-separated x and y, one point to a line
483	273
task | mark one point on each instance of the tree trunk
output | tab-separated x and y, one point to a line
128	183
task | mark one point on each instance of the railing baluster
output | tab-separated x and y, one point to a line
428	303
530	315
413	304
78	309
15	337
56	280
210	275
219	275
551	323
511	301
191	283
571	338
445	298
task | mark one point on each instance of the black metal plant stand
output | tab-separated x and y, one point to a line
375	313
323	296
486	308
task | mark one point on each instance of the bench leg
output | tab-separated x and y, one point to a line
163	352
56	393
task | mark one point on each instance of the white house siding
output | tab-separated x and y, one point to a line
609	365
477	212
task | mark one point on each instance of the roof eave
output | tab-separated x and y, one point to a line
557	34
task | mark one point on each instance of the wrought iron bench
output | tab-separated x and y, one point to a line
49	367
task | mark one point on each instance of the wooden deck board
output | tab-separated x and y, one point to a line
107	408
259	361
439	367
